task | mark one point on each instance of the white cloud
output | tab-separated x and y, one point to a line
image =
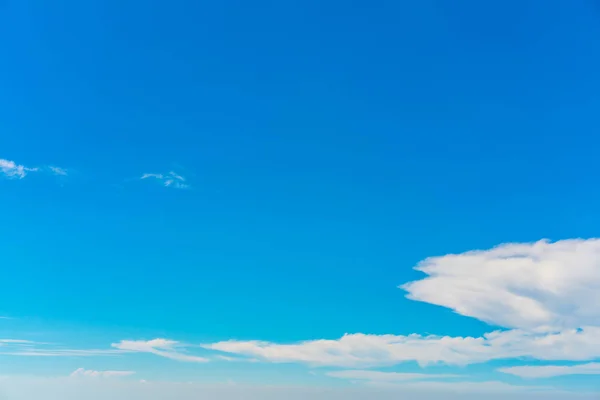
15	341
532	286
545	294
31	352
10	169
58	171
28	348
160	347
560	278
81	372
379	376
361	350
170	179
549	371
157	176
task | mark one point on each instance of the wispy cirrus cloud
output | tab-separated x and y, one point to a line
58	171
160	347
12	170
429	382
379	376
61	353
16	341
82	372
29	348
170	179
549	371
463	388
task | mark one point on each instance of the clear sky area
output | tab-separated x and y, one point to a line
325	200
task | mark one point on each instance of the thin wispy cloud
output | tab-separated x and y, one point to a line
82	372
58	171
160	347
12	170
461	387
61	353
170	179
549	371
16	341
379	376
29	348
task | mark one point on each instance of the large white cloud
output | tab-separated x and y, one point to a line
546	295
540	285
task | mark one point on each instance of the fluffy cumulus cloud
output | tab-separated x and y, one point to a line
160	347
171	179
10	169
549	371
540	285
81	372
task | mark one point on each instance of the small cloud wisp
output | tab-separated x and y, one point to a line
82	372
171	179
160	347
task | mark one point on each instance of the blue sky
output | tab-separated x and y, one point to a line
219	192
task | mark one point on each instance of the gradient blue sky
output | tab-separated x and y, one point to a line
298	158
